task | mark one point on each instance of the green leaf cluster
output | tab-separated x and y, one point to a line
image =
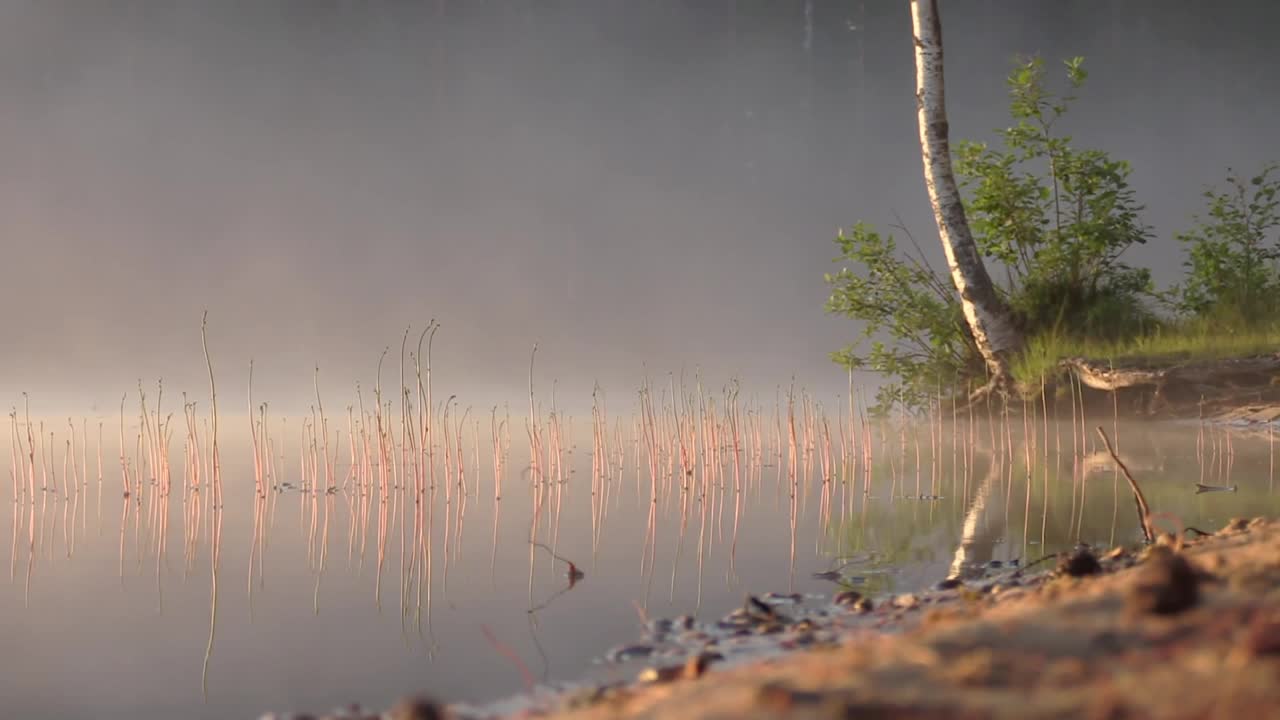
1056	219
1233	254
912	324
1052	219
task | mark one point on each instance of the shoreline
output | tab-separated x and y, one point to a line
1163	631
1175	629
1240	389
955	649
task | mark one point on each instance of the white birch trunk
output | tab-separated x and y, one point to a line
988	318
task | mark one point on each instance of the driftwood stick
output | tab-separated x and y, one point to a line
573	568
1144	510
1099	376
1109	378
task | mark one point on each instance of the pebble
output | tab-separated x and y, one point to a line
1115	553
756	607
767	628
906	601
660	626
1080	563
847	597
780	699
1236	524
655	674
736	620
624	653
1167	584
695	666
1263	637
417	708
692	637
692	669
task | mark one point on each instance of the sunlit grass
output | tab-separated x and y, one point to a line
1200	341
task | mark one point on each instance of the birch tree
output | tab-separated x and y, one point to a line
986	314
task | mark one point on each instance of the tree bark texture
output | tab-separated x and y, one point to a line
989	319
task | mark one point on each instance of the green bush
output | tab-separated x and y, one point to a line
1233	255
1052	219
1055	218
911	319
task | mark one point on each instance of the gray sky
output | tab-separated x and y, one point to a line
641	184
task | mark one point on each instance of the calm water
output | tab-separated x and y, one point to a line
322	598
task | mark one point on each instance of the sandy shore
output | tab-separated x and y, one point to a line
1190	632
1179	629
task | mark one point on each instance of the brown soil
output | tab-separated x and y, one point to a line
1190	632
1251	414
1177	389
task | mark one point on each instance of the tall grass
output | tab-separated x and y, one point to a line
1189	341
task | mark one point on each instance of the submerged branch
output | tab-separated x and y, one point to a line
574	571
1144	510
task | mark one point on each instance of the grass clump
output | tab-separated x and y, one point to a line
1182	342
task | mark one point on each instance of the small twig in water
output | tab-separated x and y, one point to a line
574	572
573	581
1144	510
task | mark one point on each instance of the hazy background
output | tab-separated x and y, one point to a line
644	184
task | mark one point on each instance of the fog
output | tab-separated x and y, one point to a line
639	187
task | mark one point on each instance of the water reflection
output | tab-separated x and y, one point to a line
367	552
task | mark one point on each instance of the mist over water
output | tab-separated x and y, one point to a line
638	186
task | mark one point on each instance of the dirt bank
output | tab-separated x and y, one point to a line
1174	388
1259	416
1189	633
1174	630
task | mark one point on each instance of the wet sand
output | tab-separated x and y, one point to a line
1167	633
1178	629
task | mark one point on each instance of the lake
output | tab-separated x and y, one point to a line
365	575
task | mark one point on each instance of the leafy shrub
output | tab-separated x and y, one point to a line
1055	219
901	300
1233	255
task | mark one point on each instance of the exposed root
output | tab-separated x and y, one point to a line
1000	387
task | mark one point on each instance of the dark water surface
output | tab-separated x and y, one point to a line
320	599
